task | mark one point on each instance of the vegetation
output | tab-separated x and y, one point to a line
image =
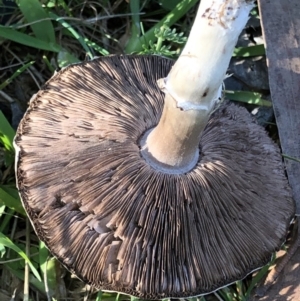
38	37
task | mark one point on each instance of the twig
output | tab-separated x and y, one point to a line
7	97
19	60
11	66
26	271
84	21
46	281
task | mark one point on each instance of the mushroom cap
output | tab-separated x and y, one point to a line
121	225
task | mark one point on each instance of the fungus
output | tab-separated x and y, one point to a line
154	198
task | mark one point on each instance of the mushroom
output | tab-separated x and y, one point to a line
154	198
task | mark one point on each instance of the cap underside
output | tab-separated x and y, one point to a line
120	224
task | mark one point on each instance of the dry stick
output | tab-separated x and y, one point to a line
6	97
26	271
12	234
46	281
281	38
193	87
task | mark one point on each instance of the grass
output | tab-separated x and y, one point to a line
37	38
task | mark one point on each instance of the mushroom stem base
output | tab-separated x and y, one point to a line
163	167
173	145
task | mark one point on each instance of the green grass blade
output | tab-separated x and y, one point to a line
107	296
169	5
136	45
6	217
253	98
257	278
50	276
65	58
290	158
48	269
96	47
7	133
32	280
135	24
49	65
5	241
2	248
11	190
75	34
62	4
240	290
226	294
17	73
33	12
256	50
2	213
24	39
9	199
99	296
43	256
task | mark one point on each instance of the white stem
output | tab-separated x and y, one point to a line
193	86
196	78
